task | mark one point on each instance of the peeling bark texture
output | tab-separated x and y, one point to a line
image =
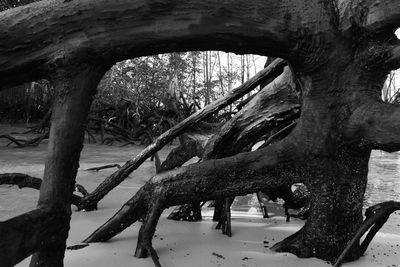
74	92
23	180
90	201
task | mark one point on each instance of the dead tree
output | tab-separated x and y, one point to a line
276	104
339	51
90	201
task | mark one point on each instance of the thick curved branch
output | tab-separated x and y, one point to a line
377	125
24	180
25	234
49	34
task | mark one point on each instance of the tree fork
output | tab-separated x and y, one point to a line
74	88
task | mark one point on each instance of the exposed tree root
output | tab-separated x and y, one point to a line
375	217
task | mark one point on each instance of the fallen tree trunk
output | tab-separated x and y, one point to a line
90	201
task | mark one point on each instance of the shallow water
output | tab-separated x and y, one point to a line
383	178
383	185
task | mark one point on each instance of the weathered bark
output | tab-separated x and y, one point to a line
337	190
74	91
24	180
90	202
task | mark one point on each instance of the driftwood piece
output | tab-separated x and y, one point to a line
375	217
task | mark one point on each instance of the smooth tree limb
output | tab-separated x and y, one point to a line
90	201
